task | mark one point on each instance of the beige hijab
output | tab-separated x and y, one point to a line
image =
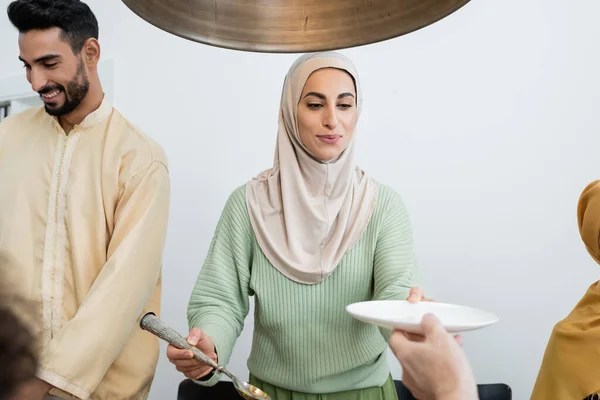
306	214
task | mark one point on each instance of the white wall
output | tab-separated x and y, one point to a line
485	122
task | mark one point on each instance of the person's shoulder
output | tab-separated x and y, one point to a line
30	114
388	197
24	119
239	193
390	209
236	202
147	149
234	216
137	151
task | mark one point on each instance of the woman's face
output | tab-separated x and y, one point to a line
327	113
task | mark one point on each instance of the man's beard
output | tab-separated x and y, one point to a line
75	92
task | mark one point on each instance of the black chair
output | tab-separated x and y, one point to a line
490	391
224	390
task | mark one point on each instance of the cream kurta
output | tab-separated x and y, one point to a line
84	216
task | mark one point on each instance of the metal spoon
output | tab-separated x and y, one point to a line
151	323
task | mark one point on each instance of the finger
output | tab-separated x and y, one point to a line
398	342
401	345
195	370
459	340
174	354
194	336
204	342
415	295
414	337
194	361
431	325
190	363
197	374
428	299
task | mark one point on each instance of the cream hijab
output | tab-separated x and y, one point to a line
306	214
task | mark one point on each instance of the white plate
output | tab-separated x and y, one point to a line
400	314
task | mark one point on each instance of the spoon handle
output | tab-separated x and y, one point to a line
151	323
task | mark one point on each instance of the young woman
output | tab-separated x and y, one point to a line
306	238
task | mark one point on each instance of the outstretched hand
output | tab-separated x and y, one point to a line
434	365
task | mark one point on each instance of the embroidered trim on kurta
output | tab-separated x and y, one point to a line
61	235
63	384
56	239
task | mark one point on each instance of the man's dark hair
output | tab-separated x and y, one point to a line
77	22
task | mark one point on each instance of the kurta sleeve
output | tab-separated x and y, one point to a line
394	266
220	299
78	356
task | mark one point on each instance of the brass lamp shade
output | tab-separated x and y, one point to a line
291	26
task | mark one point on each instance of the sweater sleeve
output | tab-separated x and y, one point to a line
394	268
220	298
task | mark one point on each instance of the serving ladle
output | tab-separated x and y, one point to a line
151	323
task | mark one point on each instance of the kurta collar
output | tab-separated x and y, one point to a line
95	117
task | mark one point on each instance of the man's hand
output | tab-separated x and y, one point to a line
434	366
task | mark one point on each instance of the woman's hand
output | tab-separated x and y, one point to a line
184	360
416	295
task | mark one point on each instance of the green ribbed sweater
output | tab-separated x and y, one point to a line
304	340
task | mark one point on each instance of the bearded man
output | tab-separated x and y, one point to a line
84	202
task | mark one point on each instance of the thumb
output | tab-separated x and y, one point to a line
415	294
400	344
194	336
431	325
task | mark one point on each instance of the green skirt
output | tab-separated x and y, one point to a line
385	392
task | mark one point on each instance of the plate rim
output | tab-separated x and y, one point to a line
491	319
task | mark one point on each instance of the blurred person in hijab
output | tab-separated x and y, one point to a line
571	364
